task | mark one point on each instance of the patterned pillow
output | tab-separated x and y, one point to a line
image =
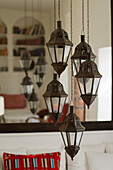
47	161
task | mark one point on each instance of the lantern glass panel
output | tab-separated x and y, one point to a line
55	103
25	63
65	138
78	138
48	103
52	53
37	78
41	69
62	102
33	104
59	52
27	88
81	84
77	63
72	138
95	86
66	53
88	85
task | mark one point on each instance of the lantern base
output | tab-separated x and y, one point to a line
88	99
26	95
55	116
39	84
72	151
59	67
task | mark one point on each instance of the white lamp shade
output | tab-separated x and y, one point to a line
1	105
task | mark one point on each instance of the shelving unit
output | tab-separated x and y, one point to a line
3	47
28	36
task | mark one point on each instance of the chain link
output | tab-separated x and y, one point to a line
54	14
88	21
59	10
83	17
71	29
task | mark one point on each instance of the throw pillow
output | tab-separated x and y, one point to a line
46	161
99	161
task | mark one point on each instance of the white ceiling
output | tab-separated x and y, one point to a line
19	4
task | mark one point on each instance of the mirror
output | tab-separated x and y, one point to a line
10	80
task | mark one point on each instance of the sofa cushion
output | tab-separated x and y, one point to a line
80	162
99	161
48	161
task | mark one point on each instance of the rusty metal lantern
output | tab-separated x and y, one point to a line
55	98
72	132
27	86
33	102
40	71
88	79
81	54
25	60
59	47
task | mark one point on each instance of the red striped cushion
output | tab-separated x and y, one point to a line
47	161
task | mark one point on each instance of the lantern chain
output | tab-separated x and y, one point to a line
32	12
25	10
59	10
88	21
83	17
72	81
54	14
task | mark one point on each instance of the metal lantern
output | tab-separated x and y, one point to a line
25	60
27	86
80	55
33	102
40	71
88	79
59	47
38	79
72	132
55	98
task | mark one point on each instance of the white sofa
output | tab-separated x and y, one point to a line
93	147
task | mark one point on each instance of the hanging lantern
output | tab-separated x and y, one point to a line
38	78
25	60
27	86
88	79
59	47
72	132
55	98
40	71
81	54
33	101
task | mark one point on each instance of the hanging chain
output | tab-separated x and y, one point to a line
59	10
83	17
32	12
54	14
71	29
25	10
88	21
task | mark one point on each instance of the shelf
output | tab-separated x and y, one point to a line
23	46
27	36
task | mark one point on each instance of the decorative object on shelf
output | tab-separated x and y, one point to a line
83	49
55	98
59	47
25	61
40	71
33	102
88	79
72	132
27	86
